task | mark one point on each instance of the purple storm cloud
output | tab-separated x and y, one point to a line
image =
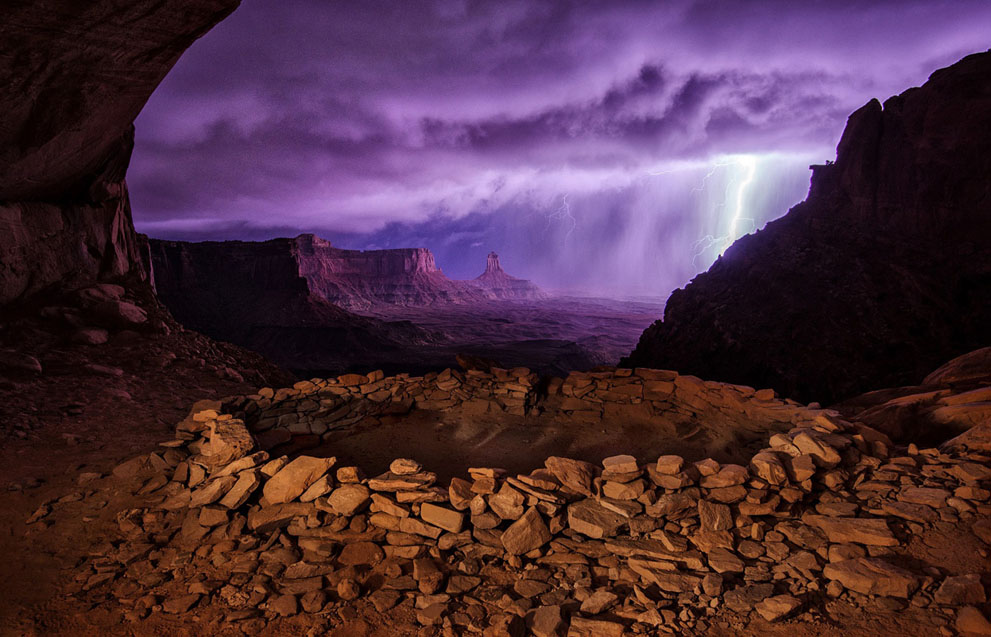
607	146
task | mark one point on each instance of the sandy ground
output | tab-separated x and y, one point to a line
451	442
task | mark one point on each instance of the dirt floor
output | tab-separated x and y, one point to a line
451	442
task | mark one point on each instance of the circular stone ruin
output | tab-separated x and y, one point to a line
511	418
617	546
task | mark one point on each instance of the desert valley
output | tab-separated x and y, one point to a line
319	310
212	432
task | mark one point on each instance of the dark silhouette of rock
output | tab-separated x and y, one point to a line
76	74
879	276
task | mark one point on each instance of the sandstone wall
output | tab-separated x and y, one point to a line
355	280
75	77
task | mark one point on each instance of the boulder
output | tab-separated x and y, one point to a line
292	480
574	475
970	621
869	531
526	534
872	576
582	627
361	554
229	440
961	589
451	521
592	519
777	607
547	622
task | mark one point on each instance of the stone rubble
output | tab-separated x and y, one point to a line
318	408
666	547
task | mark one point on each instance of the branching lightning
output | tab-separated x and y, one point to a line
563	213
735	203
749	165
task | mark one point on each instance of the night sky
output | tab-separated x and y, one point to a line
608	146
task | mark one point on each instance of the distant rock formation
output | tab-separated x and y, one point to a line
879	276
361	279
255	295
497	284
293	299
75	77
351	279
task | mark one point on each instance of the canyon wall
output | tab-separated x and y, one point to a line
361	279
351	279
75	77
883	271
255	294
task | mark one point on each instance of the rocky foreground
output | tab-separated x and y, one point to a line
829	524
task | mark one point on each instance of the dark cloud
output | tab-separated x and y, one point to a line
416	122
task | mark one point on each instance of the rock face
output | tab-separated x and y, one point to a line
291	299
360	279
876	278
352	279
497	284
256	295
75	77
952	402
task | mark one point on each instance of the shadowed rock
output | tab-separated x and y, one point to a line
75	77
879	276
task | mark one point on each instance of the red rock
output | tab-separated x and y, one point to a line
869	531
574	475
872	576
526	534
581	627
293	479
777	607
961	589
590	518
361	554
970	621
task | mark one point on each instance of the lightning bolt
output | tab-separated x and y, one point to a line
563	213
748	163
750	169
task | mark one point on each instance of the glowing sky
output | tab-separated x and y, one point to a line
611	145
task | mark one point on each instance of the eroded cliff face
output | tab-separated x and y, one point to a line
362	279
75	77
254	294
883	272
355	280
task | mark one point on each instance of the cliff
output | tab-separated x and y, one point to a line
497	284
361	279
75	77
254	294
881	274
350	279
